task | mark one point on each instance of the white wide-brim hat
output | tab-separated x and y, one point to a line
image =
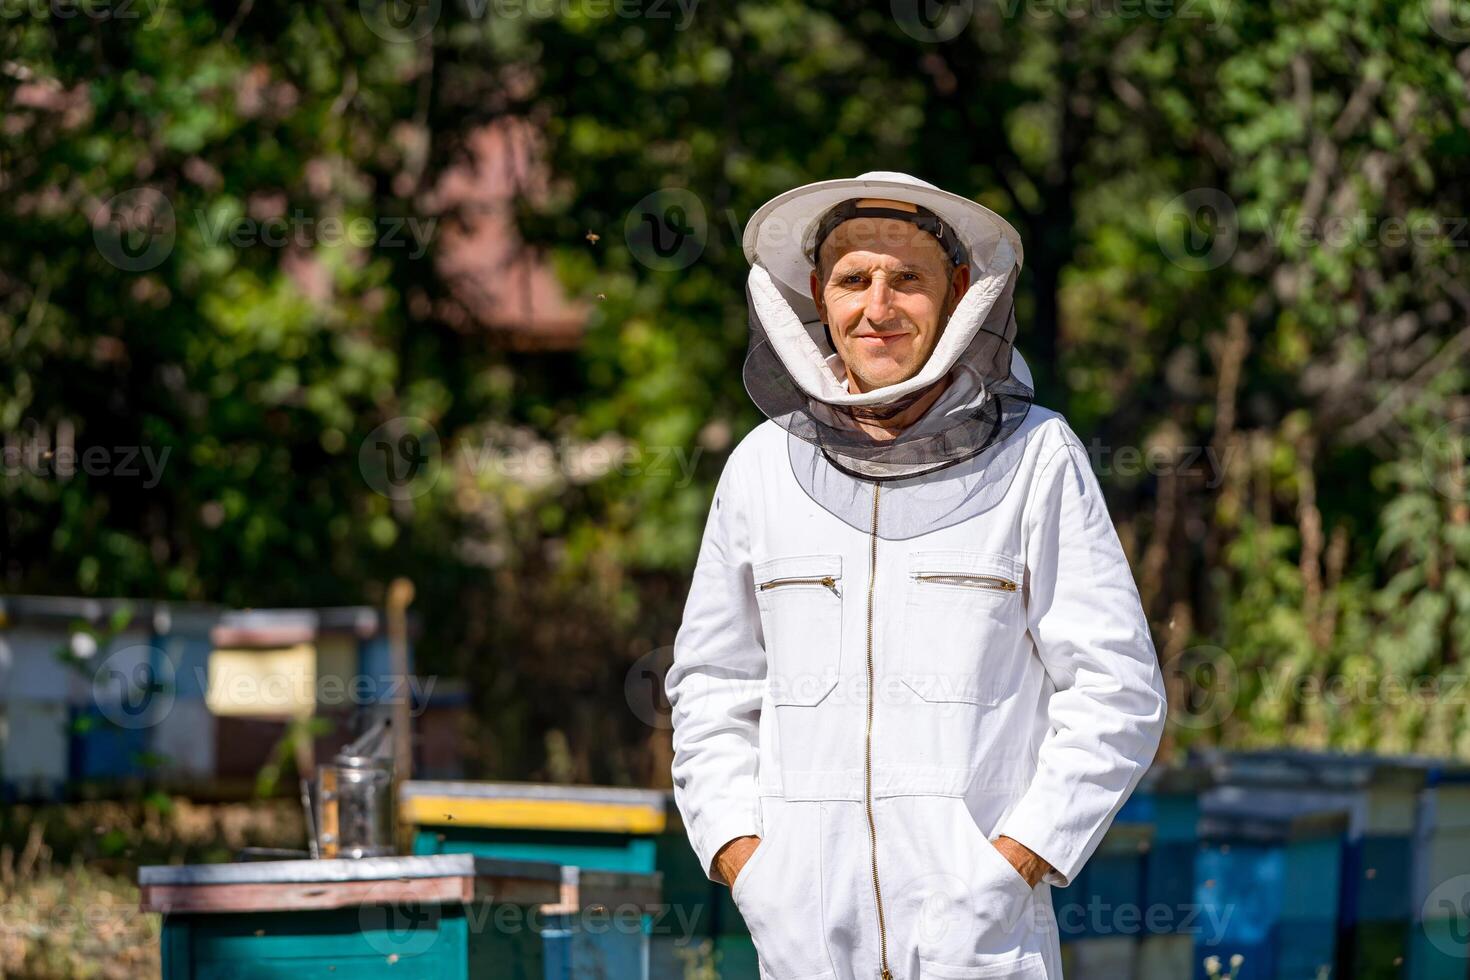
779	242
796	377
780	234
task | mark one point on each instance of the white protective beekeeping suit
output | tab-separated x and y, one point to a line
894	652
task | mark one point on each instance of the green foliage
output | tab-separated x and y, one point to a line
1313	359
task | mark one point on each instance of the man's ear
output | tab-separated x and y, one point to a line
816	289
959	284
817	298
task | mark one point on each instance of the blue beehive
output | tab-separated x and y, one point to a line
103	750
451	917
1167	799
1439	937
1268	877
594	828
1381	798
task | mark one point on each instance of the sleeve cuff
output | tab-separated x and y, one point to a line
720	833
1036	843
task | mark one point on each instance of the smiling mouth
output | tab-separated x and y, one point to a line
880	339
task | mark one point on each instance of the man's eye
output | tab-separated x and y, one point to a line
851	279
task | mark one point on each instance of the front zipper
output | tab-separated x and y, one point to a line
825	581
884	973
972	581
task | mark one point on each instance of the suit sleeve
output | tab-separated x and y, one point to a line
1107	711
716	684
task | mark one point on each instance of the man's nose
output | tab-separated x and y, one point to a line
879	305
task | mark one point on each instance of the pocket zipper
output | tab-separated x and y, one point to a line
994	582
826	581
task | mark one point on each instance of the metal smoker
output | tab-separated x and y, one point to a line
354	815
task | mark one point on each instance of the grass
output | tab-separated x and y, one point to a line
68	877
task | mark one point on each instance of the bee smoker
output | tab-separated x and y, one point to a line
354	799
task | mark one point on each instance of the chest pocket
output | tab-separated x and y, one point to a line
964	623
800	600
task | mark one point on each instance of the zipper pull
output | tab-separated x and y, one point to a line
826	582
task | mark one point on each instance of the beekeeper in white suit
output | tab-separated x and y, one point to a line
914	682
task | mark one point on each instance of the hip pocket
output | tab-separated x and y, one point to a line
979	914
784	912
1027	967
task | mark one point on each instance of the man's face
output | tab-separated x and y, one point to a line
886	290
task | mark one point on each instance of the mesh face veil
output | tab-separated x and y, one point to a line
796	377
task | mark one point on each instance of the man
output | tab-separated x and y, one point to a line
914	681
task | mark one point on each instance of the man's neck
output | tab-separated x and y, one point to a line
891	428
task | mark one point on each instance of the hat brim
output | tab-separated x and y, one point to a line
778	233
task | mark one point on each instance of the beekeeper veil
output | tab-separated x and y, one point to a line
795	376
